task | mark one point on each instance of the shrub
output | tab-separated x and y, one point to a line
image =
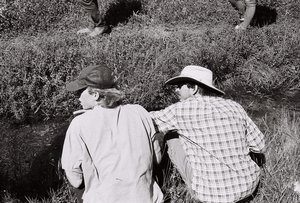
34	71
190	12
205	11
35	68
32	14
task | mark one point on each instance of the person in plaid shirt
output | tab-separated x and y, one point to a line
216	138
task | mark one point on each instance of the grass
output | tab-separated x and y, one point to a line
150	42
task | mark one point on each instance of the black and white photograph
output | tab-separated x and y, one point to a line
149	101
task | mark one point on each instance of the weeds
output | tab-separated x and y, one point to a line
33	14
35	69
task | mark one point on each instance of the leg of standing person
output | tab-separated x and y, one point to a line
239	6
92	9
250	11
248	15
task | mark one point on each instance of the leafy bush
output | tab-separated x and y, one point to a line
35	68
206	11
18	15
191	12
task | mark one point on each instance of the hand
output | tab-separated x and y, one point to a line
258	158
171	135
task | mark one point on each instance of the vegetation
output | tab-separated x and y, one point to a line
150	42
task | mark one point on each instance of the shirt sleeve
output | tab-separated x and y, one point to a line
165	119
154	135
72	155
254	136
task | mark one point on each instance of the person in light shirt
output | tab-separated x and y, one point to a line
211	140
109	149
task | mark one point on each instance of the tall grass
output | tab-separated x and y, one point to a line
35	65
35	69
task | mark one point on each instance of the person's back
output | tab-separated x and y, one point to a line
117	153
217	137
108	149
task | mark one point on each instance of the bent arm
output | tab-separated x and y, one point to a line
72	155
75	179
255	137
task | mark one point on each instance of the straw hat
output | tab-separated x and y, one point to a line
198	75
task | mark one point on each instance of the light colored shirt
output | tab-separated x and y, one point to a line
111	151
217	136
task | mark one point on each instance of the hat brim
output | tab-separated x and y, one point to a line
180	79
75	86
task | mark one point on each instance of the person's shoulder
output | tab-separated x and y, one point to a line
227	101
234	106
77	118
81	115
234	103
223	103
135	107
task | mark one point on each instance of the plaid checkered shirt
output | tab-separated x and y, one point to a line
217	136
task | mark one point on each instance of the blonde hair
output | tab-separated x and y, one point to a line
110	98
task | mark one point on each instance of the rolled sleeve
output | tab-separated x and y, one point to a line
72	155
255	137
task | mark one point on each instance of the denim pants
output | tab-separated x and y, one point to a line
246	8
92	8
241	5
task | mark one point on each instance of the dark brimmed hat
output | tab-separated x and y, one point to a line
98	76
197	75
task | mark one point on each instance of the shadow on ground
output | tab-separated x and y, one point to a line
42	174
121	11
264	16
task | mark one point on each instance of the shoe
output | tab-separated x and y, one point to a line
84	31
242	17
240	27
99	31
